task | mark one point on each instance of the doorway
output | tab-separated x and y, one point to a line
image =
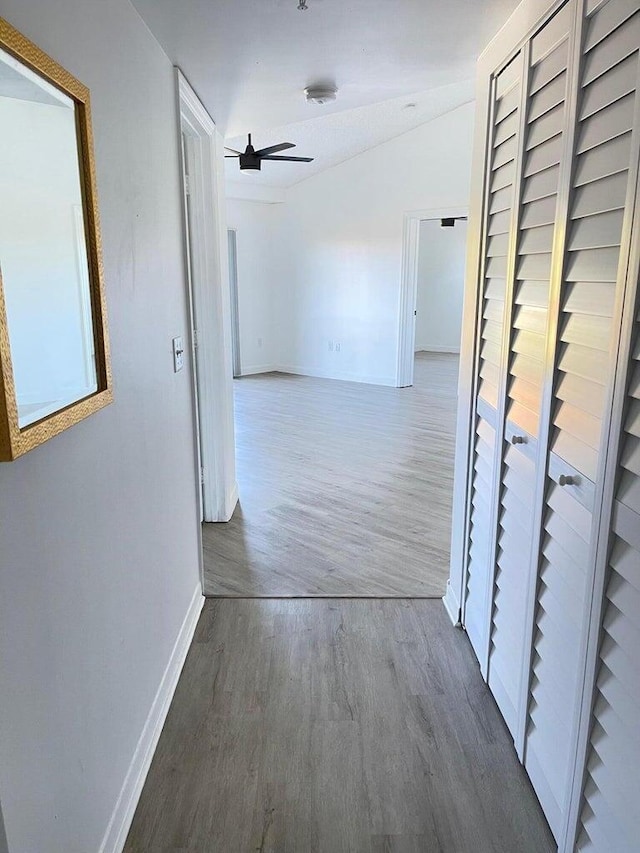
440	285
448	263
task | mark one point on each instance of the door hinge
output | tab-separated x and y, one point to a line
187	184
194	335
201	476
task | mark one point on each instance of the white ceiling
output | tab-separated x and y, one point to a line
333	138
249	61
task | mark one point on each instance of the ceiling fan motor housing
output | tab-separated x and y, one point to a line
250	161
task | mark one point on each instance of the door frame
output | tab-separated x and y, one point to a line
409	286
209	302
236	355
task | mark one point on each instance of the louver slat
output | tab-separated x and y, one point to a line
609	78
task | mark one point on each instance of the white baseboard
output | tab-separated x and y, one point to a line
258	368
122	816
452	350
343	377
452	605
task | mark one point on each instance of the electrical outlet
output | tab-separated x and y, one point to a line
259	343
330	346
178	355
338	346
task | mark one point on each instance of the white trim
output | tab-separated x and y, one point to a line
316	373
452	605
342	377
409	287
254	369
211	305
236	349
192	343
116	833
451	350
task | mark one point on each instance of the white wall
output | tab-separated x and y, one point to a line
319	273
255	225
98	527
340	248
441	263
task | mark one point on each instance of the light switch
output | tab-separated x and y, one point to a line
178	355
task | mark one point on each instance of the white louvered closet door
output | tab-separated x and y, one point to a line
594	270
546	117
498	223
610	816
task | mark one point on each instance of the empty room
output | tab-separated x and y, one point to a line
344	451
319	426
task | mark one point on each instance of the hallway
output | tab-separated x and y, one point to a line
328	726
345	488
336	725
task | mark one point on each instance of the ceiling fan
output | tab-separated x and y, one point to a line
252	159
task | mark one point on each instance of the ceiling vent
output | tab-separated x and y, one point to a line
320	94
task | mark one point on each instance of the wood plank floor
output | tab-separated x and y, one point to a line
345	488
334	726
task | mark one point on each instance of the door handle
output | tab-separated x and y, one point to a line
567	480
518	439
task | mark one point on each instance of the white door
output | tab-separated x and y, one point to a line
187	165
490	378
542	152
600	212
610	818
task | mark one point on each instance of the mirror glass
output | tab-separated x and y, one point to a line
43	251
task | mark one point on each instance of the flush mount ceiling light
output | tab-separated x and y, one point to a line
320	94
302	5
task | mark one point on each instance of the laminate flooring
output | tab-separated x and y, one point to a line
334	726
345	488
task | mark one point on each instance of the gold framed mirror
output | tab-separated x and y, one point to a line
54	350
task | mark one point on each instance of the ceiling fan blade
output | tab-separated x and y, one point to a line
226	148
231	156
272	149
290	159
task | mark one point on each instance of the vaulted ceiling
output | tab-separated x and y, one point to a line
250	60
